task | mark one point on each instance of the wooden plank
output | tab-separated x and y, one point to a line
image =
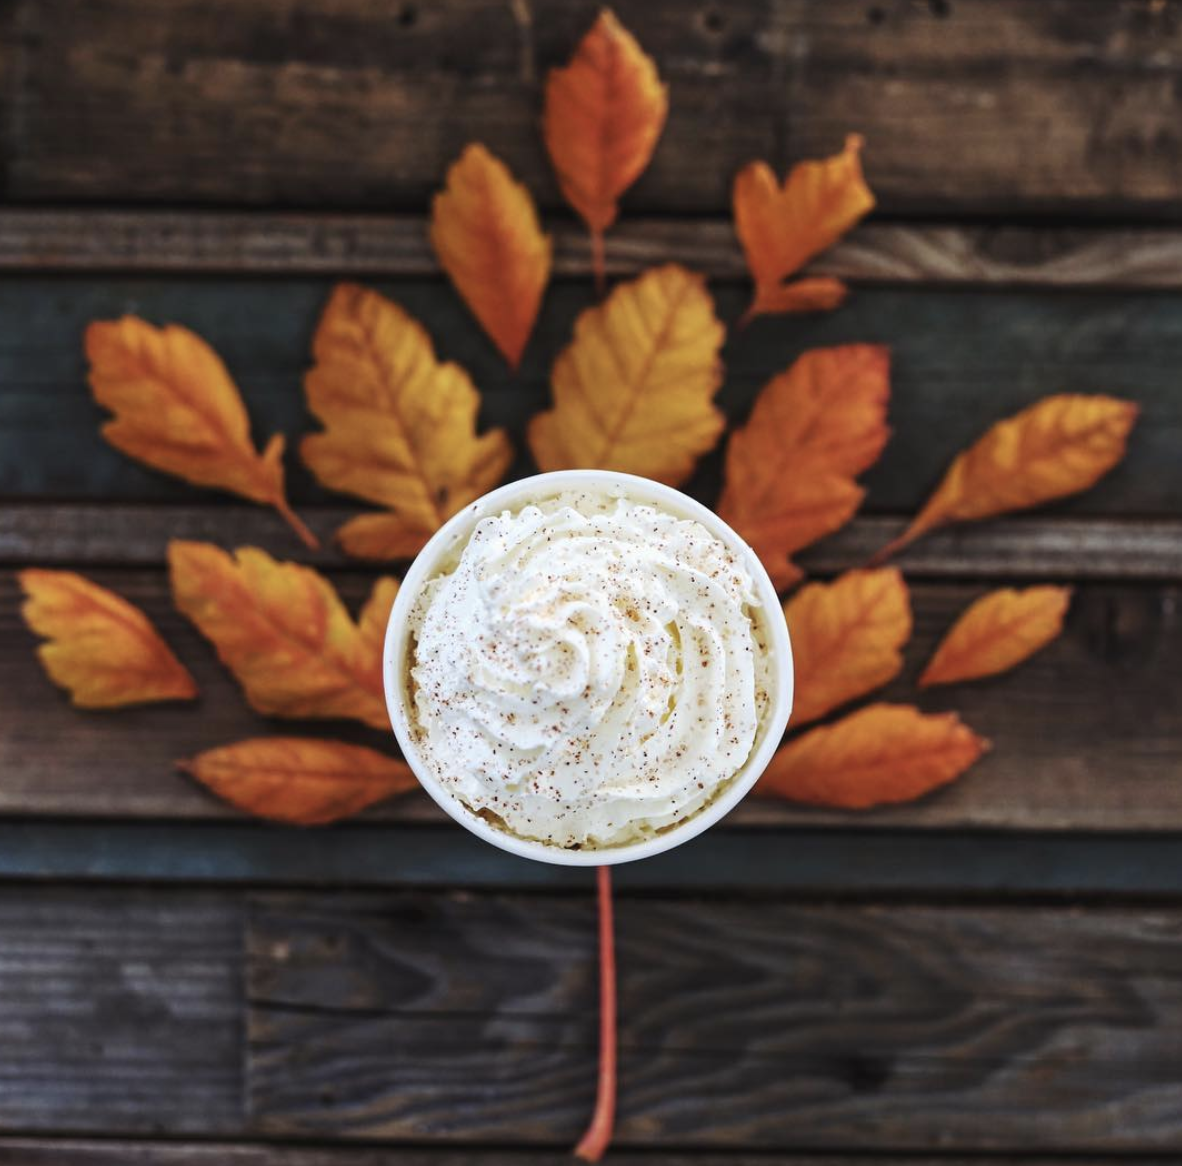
766	1024
840	861
120	534
69	1152
973	106
275	243
961	362
1087	733
120	1011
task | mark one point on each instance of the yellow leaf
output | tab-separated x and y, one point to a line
603	115
996	632
846	638
299	780
634	390
177	410
1059	446
375	614
880	754
789	472
782	227
101	649
485	230
381	537
399	427
282	630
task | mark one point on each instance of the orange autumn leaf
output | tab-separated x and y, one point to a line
846	638
485	231
1059	446
789	472
299	780
399	427
283	631
782	227
996	632
177	410
101	649
603	115
880	754
634	390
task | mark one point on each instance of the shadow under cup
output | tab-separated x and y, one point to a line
444	550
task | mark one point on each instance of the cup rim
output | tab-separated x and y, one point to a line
641	490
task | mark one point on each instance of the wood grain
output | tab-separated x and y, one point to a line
276	243
120	534
449	1016
1086	734
968	106
960	362
765	1024
64	1152
120	1011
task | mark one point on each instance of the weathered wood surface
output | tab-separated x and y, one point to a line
753	1023
70	1152
841	862
451	1016
120	534
120	1010
277	243
973	106
961	362
1088	732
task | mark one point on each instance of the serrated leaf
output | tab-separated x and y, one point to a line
177	410
1059	446
103	650
847	638
284	633
399	427
789	472
881	754
782	227
634	390
997	632
299	780
603	115
485	231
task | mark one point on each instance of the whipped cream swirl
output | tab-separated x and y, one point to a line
589	672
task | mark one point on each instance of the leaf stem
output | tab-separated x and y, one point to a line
599	1133
297	524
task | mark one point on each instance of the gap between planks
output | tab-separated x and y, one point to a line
398	245
837	862
126	534
81	1152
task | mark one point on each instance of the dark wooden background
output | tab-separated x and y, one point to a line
995	970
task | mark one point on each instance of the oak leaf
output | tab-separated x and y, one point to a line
284	633
299	780
603	115
782	227
485	231
101	649
789	472
1059	446
399	427
846	638
634	390
176	409
880	754
996	632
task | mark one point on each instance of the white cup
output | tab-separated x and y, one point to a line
455	533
